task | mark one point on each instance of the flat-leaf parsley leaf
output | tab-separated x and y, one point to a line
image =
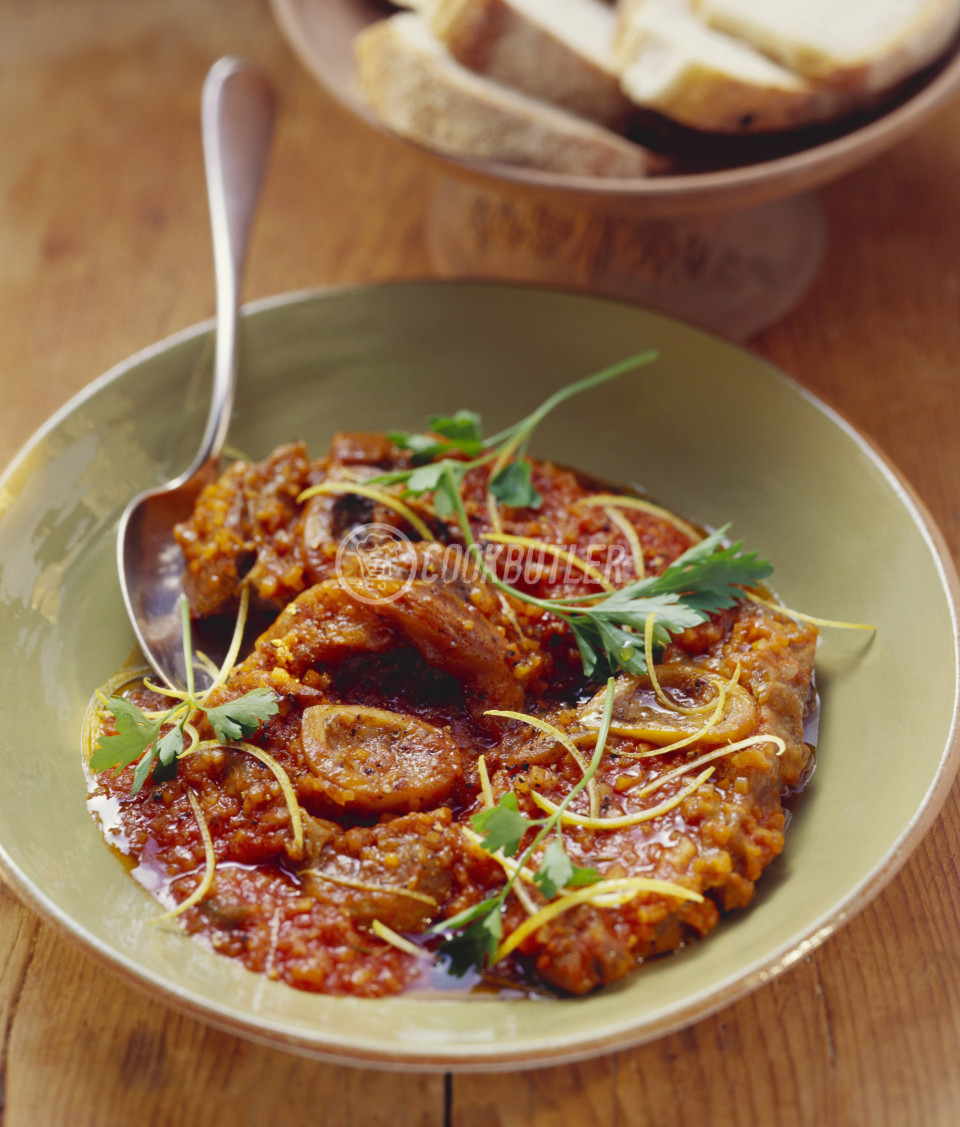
138	735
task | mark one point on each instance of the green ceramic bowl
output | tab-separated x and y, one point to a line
709	430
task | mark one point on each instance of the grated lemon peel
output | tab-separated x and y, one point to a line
622	501
286	787
661	696
97	705
510	867
564	740
629	534
621	821
707	757
800	617
723	687
686	741
236	640
510	615
388	935
502	460
485	789
210	865
605	893
381	496
552	550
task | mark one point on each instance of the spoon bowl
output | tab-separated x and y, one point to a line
237	115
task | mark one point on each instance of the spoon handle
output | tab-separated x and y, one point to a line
237	114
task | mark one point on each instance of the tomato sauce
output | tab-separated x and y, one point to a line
383	728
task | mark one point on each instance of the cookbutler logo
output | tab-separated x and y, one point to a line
376	563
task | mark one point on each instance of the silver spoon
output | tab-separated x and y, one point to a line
238	108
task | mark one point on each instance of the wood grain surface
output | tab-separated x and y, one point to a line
104	249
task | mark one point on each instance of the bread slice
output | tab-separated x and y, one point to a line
557	50
417	89
863	45
672	63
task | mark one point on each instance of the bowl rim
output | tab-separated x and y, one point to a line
625	1036
740	185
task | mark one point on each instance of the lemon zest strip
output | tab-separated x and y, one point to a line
209	665
485	788
626	889
686	741
418	504
211	865
493	512
493	505
722	688
620	501
236	641
286	787
551	550
290	797
510	867
388	935
98	703
629	534
341	488
510	615
564	740
719	709
807	617
618	822
707	757
218	674
193	735
507	863
652	669
655	680
164	690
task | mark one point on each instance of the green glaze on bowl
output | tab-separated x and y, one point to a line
709	430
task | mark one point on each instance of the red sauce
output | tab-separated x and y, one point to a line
385	826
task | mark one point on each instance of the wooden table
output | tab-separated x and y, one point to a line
104	249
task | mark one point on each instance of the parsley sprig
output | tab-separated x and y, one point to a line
455	445
503	828
707	578
160	739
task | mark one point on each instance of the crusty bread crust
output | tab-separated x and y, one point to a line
533	47
882	57
550	84
701	78
419	91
